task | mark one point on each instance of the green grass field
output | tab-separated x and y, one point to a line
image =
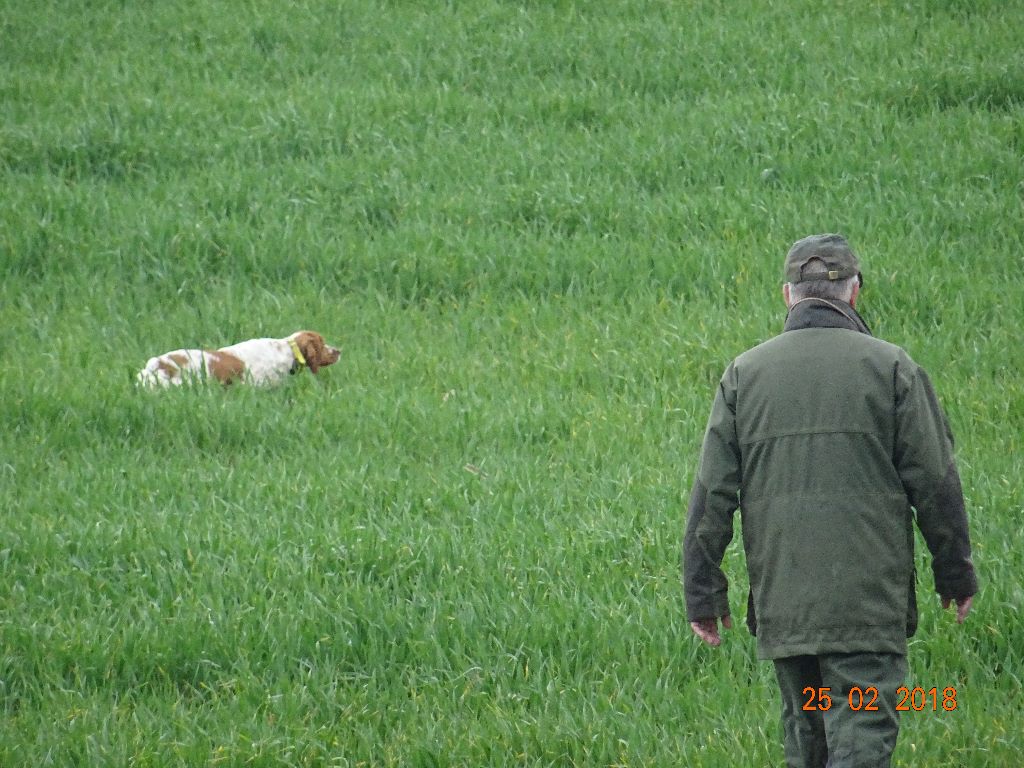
539	231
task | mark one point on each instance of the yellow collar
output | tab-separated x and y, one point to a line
297	352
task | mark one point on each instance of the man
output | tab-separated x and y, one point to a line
829	441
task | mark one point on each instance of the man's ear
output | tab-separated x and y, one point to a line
785	294
854	294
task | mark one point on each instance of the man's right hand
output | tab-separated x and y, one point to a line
963	606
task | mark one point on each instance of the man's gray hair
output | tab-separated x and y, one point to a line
841	290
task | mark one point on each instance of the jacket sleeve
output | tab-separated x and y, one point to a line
924	460
713	501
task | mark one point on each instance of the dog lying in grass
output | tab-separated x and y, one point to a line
262	362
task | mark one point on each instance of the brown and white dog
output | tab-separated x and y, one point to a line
263	362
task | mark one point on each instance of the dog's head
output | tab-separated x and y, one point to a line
316	352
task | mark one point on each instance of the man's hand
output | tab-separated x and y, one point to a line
963	607
707	629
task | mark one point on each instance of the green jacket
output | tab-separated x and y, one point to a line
828	440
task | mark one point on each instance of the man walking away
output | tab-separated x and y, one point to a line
832	444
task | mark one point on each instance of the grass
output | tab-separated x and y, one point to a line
539	231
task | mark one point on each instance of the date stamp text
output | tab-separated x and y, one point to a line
916	699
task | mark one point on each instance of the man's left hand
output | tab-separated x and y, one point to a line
707	629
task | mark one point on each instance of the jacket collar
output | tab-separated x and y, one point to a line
824	313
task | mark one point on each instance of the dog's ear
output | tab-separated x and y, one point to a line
312	346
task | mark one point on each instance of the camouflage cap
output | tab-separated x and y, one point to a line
840	261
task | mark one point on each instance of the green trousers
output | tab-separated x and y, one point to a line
831	715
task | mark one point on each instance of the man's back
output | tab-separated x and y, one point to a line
823	507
